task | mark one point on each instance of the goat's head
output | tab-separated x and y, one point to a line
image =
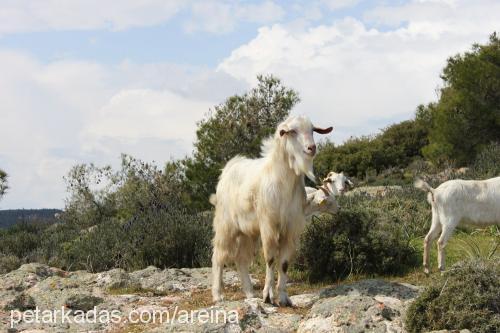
323	202
337	183
297	135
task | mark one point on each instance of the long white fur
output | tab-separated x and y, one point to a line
264	198
454	202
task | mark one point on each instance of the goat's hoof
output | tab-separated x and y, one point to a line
268	300
285	302
218	299
249	295
427	271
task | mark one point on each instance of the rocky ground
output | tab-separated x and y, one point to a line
154	294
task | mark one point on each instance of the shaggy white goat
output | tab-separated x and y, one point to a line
322	199
473	202
264	198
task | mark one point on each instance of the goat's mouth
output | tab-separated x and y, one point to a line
310	154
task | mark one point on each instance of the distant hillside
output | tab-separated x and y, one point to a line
9	217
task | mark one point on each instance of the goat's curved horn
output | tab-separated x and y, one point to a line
322	130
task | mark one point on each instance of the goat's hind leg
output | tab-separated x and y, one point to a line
448	228
217	270
245	255
429	238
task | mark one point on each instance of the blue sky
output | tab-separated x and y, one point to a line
170	40
83	81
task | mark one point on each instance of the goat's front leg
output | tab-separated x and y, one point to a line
270	247
285	255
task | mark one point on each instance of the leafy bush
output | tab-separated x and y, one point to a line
8	263
21	239
365	157
487	162
357	240
163	238
466	116
465	298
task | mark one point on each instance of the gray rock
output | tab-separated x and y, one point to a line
82	302
369	305
113	279
304	300
21	302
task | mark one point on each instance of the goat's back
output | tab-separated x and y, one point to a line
474	201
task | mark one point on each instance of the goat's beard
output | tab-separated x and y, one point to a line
302	165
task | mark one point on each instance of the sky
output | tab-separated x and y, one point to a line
85	80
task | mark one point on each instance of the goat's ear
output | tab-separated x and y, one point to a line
322	130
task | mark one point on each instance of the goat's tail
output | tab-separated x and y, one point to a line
213	199
424	186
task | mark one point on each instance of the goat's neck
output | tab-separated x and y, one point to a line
278	158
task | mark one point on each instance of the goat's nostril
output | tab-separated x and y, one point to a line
312	149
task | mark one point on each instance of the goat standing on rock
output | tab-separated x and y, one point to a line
264	198
473	202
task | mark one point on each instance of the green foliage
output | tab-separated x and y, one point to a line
131	218
467	115
487	162
21	239
396	147
466	297
162	238
367	236
3	183
235	127
8	263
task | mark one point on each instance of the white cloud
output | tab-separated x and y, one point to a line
27	15
55	15
135	114
222	16
66	112
361	78
338	4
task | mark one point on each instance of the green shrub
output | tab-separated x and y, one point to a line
357	240
162	238
466	297
487	162
8	263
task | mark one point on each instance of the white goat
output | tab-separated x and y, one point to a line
337	183
322	199
473	202
264	198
